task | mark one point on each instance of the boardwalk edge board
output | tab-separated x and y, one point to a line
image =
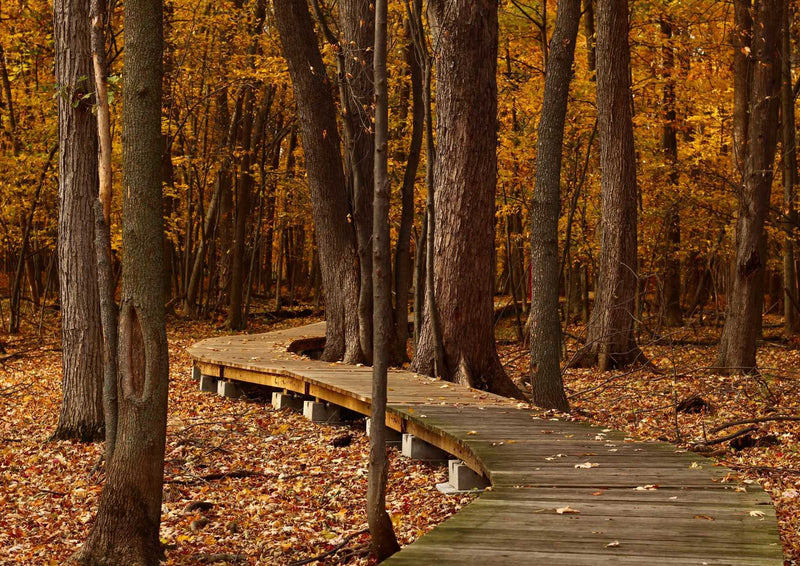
562	492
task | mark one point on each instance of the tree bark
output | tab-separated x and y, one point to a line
126	530
791	322
545	327
81	415
357	22
335	238
465	34
384	541
737	348
609	337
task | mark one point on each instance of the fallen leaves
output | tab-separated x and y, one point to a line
566	510
247	484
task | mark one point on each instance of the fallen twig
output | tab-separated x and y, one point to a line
727	437
773	418
332	551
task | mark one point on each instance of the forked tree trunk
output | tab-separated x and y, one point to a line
317	118
126	530
81	415
737	348
609	337
545	327
465	35
384	541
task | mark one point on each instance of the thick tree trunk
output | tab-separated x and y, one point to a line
465	179
609	337
317	118
545	326
126	530
791	322
81	415
357	22
384	541
737	348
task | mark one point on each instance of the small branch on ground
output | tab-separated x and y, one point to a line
727	437
332	551
774	418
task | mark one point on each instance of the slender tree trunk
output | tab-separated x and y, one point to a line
790	318
609	337
384	542
545	326
737	348
673	316
465	33
126	530
16	284
317	119
402	269
82	383
591	37
102	225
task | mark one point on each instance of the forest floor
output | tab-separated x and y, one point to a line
280	490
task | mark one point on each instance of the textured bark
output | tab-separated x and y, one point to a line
609	337
127	524
383	540
737	348
673	316
317	119
791	322
81	415
465	33
357	22
741	38
545	327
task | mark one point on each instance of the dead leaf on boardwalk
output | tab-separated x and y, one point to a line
704	517
759	514
649	487
613	544
587	465
566	510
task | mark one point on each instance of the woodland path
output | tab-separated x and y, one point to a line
562	492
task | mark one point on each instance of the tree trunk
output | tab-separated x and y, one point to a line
545	326
384	541
609	337
737	348
402	263
790	319
673	316
317	119
126	530
465	179
357	22
81	415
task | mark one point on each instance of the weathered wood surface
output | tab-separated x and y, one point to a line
636	502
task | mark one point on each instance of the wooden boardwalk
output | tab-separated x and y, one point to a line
563	493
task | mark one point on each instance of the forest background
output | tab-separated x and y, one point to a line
237	205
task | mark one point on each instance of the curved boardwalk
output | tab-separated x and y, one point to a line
562	492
